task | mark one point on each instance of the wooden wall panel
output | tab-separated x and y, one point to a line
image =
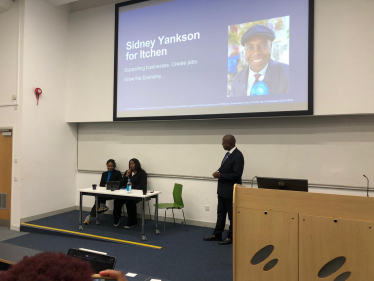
317	204
253	231
323	240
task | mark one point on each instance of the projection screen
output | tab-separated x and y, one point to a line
194	59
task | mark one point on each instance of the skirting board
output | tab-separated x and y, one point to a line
87	209
48	214
15	228
168	219
4	223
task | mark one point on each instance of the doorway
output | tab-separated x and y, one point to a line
5	177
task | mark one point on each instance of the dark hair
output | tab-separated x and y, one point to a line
138	167
113	161
231	139
49	266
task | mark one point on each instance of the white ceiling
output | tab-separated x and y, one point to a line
59	2
87	4
77	5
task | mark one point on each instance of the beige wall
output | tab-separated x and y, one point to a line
344	64
44	145
48	142
9	32
342	72
71	58
326	150
10	112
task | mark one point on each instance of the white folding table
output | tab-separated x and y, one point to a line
119	194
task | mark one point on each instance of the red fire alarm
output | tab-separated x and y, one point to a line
38	92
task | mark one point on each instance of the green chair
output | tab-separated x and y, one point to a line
178	203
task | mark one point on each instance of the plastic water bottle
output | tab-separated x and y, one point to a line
129	186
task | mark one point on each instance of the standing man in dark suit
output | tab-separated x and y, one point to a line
228	174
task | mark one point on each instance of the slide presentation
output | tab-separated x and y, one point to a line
212	59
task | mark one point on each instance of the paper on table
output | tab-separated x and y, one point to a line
155	280
129	274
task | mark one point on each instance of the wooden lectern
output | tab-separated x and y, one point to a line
282	235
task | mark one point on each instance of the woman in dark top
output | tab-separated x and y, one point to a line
138	178
111	175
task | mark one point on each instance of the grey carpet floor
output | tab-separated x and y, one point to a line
6	233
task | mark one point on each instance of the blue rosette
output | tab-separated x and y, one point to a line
259	89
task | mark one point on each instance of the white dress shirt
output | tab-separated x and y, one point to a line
252	78
232	150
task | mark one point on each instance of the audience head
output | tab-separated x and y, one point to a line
111	165
134	165
228	142
49	266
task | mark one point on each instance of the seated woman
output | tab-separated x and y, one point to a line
138	178
111	175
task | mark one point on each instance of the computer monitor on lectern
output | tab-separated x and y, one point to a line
282	184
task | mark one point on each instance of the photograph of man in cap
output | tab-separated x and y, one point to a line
262	75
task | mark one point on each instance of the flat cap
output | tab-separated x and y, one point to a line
257	30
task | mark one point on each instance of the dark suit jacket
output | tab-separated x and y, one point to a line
138	181
115	176
231	173
276	77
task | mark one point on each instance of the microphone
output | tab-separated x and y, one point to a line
368	185
252	181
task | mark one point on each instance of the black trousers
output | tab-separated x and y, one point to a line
224	207
102	200
131	210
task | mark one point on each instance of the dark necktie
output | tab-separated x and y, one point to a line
256	76
225	158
